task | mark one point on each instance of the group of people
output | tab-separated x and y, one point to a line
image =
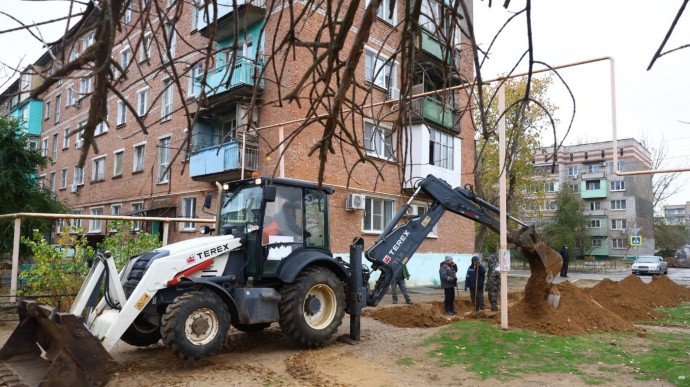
475	279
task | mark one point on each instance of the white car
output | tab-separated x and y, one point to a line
649	264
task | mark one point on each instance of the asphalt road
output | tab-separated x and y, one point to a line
679	276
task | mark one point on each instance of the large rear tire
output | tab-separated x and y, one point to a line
141	333
195	325
311	309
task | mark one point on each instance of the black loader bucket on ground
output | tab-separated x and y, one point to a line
69	355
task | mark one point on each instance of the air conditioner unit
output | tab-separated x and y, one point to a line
74	188
393	93
603	164
355	202
412	210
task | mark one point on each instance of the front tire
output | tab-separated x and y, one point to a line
141	333
195	325
312	308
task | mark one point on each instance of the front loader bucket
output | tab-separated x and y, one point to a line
545	264
51	348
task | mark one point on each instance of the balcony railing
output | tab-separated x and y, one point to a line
433	47
434	111
240	74
593	193
223	158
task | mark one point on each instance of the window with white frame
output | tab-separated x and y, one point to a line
101	128
125	56
115	209
33	144
618	224
194	88
72	55
25	114
129	12
88	41
574	187
596	242
71	97
95	224
59	226
84	86
55	148
46	110
379	70
118	162
25	80
420	210
618	204
549	205
65	138
98	172
441	149
121	113
142	102
63	178
139	157
594	223
550	186
51	181
79	140
621	165
188	211
58	102
593	185
593	168
619	243
378	141
618	185
78	175
76	223
136	210
171	42
377	213
42	181
594	206
383	12
167	100
573	170
145	47
163	160
44	147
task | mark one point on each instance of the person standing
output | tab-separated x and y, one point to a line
449	280
399	281
566	261
474	280
493	283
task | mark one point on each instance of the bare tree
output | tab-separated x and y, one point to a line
664	185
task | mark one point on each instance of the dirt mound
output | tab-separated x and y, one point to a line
607	307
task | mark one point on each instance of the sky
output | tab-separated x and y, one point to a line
652	105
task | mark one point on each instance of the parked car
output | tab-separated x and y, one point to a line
649	264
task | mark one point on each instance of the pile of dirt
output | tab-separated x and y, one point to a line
607	307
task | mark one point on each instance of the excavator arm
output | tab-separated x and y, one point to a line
396	245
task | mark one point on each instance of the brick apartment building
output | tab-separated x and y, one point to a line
128	174
614	205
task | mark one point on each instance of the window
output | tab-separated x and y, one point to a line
618	204
167	108
596	242
129	12
620	151
441	149
618	185
58	102
384	12
65	138
63	178
593	168
573	170
621	165
76	223
116	209
44	147
570	156
420	210
118	162
71	98
95	224
59	225
574	187
594	206
47	110
618	243
98	173
88	41
188	211
163	160
549	206
79	141
586	156
171	38
194	88
51	181
139	157
378	141
33	144
618	224
145	48
55	148
593	184
602	154
136	209
379	70
84	86
25	80
121	113
594	223
125	56
101	128
72	55
377	214
550	186
142	102
78	175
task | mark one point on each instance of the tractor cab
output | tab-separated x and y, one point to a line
275	218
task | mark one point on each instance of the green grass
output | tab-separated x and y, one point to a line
679	316
490	352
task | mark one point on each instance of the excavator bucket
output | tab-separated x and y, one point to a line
545	264
51	348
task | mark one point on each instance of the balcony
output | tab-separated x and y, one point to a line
588	189
432	48
440	157
240	77
248	12
223	162
432	110
30	115
599	231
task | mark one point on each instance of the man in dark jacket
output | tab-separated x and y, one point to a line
449	280
474	280
566	260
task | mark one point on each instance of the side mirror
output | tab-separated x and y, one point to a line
270	193
208	200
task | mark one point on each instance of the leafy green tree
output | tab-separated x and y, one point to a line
570	223
20	190
124	243
524	124
669	236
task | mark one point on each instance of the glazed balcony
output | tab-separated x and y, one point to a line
247	13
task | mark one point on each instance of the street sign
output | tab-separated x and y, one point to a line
635	230
635	240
